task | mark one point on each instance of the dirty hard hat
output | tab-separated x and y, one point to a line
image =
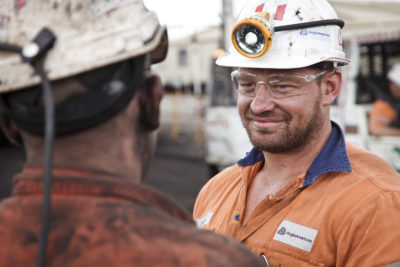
285	34
394	74
89	35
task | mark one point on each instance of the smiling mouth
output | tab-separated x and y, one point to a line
263	120
267	119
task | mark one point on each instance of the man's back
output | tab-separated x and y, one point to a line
99	222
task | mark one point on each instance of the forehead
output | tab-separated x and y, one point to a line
301	71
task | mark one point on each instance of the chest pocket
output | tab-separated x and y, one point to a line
290	246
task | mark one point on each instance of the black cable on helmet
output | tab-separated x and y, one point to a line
47	162
10	48
310	24
42	43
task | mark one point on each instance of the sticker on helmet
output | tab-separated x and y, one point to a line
20	4
315	34
340	37
280	9
260	6
4	21
103	7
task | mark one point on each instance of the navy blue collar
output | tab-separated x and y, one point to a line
332	158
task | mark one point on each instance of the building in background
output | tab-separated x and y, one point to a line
189	61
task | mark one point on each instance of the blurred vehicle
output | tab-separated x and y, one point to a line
226	140
371	39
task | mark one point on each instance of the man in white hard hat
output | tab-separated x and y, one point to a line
302	196
383	117
85	205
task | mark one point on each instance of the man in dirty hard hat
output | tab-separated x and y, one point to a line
384	116
91	148
302	196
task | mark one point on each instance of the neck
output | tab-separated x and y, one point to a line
112	148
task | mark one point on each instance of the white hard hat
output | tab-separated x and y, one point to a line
285	34
394	74
89	34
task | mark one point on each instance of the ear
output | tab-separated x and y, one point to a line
149	102
331	85
10	130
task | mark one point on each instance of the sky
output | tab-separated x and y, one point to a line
183	17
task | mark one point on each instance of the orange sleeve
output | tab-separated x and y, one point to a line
371	237
382	112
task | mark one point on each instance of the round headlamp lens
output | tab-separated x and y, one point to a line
250	39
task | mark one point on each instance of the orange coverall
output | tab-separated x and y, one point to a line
97	220
344	211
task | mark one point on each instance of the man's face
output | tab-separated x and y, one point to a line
283	124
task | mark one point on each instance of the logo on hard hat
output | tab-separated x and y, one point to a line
304	32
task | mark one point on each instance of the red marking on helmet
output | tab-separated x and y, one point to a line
260	8
20	4
280	12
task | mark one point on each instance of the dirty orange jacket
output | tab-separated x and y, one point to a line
345	211
98	220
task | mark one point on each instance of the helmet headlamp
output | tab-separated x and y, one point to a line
252	37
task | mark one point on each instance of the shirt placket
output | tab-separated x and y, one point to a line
268	208
237	214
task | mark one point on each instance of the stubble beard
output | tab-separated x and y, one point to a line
287	139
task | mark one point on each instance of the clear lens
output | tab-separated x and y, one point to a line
279	85
250	39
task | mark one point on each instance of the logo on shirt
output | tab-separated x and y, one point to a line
296	235
282	231
201	222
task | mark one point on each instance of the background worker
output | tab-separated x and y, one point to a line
383	118
97	56
302	196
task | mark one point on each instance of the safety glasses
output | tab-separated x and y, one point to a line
278	85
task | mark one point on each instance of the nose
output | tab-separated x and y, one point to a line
262	101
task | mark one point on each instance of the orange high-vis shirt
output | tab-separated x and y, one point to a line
382	112
344	211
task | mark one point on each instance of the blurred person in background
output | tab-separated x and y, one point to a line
303	196
384	116
79	200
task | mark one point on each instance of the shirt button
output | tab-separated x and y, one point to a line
237	217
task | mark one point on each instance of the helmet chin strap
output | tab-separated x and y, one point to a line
34	54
